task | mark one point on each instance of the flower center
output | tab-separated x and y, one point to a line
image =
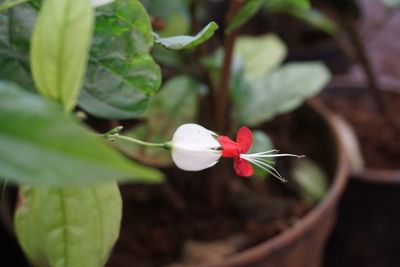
230	149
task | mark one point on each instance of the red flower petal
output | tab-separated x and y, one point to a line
243	168
244	138
230	149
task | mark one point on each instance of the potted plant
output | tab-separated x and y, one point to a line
96	55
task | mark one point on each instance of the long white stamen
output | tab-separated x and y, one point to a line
265	152
273	171
268	168
260	160
255	155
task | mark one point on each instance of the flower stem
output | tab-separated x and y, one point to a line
165	145
114	134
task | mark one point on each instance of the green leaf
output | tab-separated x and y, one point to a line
186	41
312	180
16	27
175	105
68	227
261	142
316	19
282	91
60	46
40	144
289	3
121	73
308	15
249	9
260	55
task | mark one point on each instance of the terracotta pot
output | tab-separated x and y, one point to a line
367	230
303	244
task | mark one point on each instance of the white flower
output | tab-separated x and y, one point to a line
97	3
195	148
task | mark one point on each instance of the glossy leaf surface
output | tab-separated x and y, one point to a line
121	73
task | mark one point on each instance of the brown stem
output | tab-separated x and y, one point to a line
219	175
193	19
365	62
221	102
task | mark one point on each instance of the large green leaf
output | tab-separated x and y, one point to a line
16	27
279	92
175	105
39	144
121	74
60	46
68	227
186	41
260	55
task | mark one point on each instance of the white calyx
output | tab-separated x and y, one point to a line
97	3
195	148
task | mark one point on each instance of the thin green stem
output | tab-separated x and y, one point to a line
165	145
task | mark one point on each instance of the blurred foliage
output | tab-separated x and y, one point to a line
251	7
308	15
262	89
176	104
173	16
392	3
270	53
280	92
296	8
311	179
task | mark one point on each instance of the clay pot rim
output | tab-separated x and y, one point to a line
251	255
368	174
379	176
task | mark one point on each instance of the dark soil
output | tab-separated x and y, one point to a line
177	223
378	133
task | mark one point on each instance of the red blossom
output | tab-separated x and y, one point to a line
232	149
